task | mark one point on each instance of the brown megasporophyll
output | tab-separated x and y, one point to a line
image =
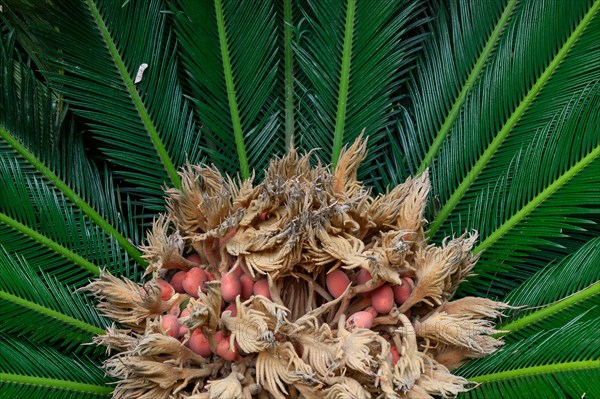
302	286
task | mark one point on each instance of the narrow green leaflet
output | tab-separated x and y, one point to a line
498	112
229	53
464	35
557	294
40	372
558	363
145	128
352	57
548	189
43	309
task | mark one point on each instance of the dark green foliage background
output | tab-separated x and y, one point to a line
499	100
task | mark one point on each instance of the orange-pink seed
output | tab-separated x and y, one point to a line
195	258
261	287
170	325
337	281
232	308
402	292
362	319
395	355
225	351
371	310
383	299
177	281
166	289
230	287
247	286
194	280
199	343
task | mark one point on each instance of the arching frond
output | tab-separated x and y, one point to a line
558	363
352	56
557	294
30	371
43	309
229	53
536	71
145	129
35	142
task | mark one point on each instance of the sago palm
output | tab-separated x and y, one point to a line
105	102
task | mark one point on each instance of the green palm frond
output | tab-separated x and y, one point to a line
44	310
95	63
550	349
559	363
31	371
557	294
35	139
229	54
535	71
498	99
463	36
548	188
352	57
50	215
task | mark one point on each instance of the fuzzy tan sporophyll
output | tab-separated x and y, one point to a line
302	286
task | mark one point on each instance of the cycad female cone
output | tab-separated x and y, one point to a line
302	286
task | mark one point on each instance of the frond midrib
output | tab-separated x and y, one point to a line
55	383
553	368
35	307
231	93
135	97
514	118
537	200
289	74
79	202
340	118
551	309
50	244
462	95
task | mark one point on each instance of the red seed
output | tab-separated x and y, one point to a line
193	280
177	281
238	271
230	287
361	319
225	351
195	258
363	276
227	236
199	343
209	276
261	287
395	355
371	310
402	292
383	299
182	328
174	310
247	286
166	289
337	282
170	325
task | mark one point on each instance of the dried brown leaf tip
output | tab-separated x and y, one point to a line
302	286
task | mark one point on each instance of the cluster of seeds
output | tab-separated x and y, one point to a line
302	286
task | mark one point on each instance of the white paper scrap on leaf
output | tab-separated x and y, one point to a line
140	73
